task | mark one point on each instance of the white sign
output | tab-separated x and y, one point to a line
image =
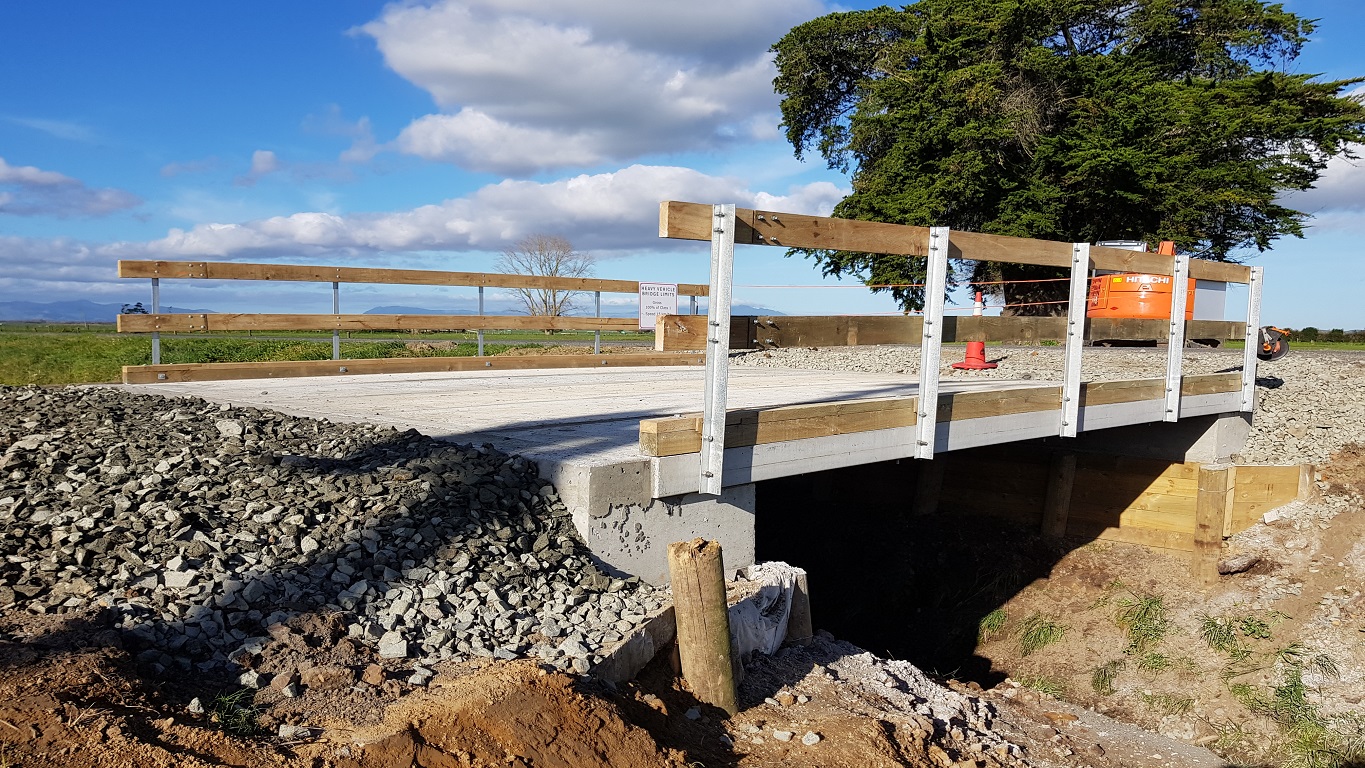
657	299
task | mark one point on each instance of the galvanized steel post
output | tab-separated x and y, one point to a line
1253	328
1075	338
480	331
336	310
1175	341
717	349
930	351
156	310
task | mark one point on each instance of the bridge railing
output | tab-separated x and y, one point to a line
157	322
726	226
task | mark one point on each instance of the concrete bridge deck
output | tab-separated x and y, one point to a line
582	427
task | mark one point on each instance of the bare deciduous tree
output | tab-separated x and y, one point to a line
551	256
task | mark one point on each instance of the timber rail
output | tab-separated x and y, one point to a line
156	322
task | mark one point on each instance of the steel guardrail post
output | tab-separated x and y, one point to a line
931	341
1175	341
1075	338
156	310
480	331
717	349
1254	283
336	310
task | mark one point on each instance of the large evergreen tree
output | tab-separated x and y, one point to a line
1071	120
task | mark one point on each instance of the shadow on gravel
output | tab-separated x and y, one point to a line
404	511
219	524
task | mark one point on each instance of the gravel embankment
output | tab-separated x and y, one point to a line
201	525
1310	403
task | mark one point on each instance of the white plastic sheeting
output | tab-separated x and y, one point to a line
758	623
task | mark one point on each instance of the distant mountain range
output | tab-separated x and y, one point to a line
737	309
73	311
83	311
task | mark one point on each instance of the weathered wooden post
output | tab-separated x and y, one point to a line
1061	480
1212	508
697	573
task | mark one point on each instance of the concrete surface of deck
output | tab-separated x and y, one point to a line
577	416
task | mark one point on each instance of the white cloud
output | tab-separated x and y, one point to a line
36	192
1342	185
600	212
1337	201
531	86
361	133
62	129
263	163
57	259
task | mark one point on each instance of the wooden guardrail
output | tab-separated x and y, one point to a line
678	435
688	332
190	323
157	323
215	270
694	221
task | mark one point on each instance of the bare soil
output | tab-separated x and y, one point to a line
1301	593
73	697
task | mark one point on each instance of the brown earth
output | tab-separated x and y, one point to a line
1304	587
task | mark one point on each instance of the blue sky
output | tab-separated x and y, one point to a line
434	134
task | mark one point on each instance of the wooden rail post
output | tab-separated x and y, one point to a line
1061	479
1212	507
697	573
928	487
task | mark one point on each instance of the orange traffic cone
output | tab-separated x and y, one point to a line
976	350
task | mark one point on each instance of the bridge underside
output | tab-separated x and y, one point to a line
583	428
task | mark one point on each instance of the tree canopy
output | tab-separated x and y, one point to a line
1071	120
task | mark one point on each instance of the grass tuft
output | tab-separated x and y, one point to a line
1167	704
1143	621
1102	677
991	625
1153	663
1054	688
1037	632
235	712
1221	636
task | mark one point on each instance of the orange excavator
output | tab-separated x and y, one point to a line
1149	296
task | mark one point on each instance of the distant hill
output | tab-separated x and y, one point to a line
738	309
415	311
74	311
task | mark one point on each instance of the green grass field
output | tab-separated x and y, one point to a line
497	336
88	353
88	357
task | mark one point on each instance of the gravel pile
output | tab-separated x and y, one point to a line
1310	405
963	725
202	525
1097	363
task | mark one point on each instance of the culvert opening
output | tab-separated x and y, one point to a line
897	582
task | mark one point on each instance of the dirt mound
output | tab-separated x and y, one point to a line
514	714
1345	472
70	695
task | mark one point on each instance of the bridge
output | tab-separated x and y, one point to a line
655	447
